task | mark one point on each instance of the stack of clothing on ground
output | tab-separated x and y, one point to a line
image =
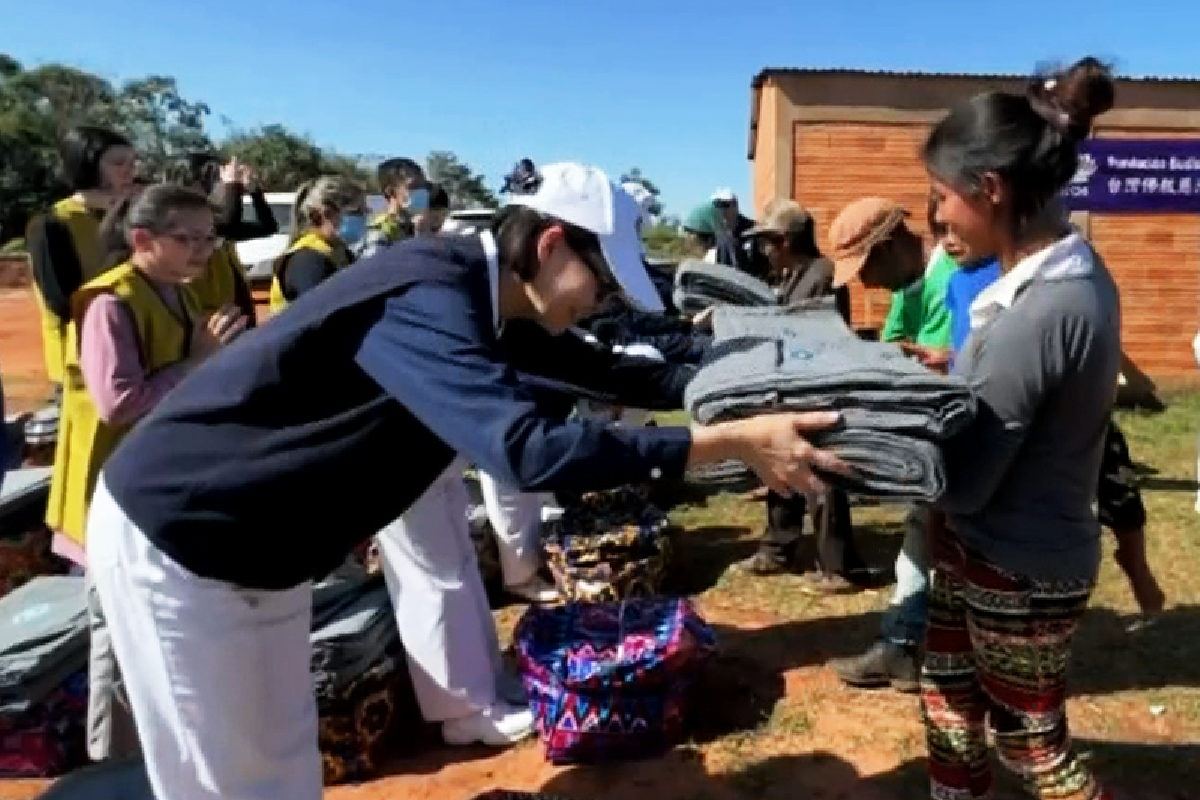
364	695
611	680
700	285
609	546
894	410
43	677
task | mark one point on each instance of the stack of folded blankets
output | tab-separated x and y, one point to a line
43	677
700	285
894	411
362	683
24	539
609	546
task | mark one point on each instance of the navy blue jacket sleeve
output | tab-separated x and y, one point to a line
568	359
431	350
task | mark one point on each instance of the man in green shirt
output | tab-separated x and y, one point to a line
872	243
918	315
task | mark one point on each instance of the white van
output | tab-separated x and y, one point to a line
258	255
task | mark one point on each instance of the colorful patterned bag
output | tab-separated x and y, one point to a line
609	680
609	546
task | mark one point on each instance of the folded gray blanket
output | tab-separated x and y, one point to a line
728	476
699	285
886	465
772	322
893	409
874	386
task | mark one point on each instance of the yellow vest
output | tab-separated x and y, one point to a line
390	225
85	235
309	241
84	440
219	284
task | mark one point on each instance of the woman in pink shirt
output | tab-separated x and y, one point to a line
133	335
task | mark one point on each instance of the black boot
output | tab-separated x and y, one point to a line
885	664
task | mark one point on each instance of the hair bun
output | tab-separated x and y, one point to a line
1071	100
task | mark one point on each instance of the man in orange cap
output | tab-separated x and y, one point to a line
872	242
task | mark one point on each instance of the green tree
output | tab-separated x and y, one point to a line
162	124
467	189
356	168
283	159
665	241
28	154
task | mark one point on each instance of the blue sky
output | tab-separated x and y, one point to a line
660	84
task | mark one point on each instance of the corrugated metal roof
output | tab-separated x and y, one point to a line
762	76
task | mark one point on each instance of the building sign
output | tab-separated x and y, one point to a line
1137	176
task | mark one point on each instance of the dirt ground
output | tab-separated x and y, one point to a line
773	721
21	364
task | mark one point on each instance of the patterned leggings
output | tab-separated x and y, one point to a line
997	650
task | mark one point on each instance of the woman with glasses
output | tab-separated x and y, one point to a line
134	333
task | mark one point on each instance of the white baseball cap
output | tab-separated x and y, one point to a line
723	195
585	197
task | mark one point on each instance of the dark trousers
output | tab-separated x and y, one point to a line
835	553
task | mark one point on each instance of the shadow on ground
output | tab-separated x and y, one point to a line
1132	771
1118	652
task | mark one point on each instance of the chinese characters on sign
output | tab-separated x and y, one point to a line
1136	176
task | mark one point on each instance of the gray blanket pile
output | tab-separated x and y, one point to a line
699	285
894	410
353	629
43	641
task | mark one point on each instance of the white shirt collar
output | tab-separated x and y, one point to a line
1069	257
493	262
935	258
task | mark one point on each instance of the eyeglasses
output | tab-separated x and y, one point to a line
196	241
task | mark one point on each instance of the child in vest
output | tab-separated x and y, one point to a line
134	334
407	193
330	218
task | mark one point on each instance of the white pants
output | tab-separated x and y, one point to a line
516	518
442	608
218	677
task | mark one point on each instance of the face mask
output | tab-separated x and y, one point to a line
418	200
352	228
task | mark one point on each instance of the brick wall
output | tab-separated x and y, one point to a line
1154	258
837	163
